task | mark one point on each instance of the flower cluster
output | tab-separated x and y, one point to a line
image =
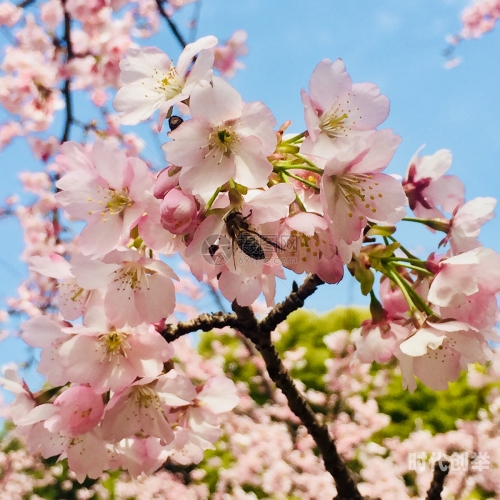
479	18
240	202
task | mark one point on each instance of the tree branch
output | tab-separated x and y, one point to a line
334	464
67	82
441	469
204	322
259	333
293	302
173	27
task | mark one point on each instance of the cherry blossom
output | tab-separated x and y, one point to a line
337	111
438	352
107	358
427	187
226	56
239	202
151	81
466	224
111	201
355	191
225	139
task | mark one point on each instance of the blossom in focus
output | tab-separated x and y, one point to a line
107	189
466	224
226	138
337	111
355	191
178	212
109	358
127	277
151	81
79	410
438	352
309	247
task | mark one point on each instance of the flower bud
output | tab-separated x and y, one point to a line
178	212
167	179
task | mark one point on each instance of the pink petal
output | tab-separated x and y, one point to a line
191	50
217	103
328	81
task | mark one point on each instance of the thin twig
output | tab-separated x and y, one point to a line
67	82
441	470
26	3
177	34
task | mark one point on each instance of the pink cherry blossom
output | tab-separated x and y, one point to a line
178	212
87	455
112	201
47	334
466	224
106	357
151	81
140	408
337	111
461	276
167	179
226	55
10	14
225	139
377	341
438	352
79	410
355	191
309	247
427	187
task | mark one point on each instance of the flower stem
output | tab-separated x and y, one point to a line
304	181
403	249
295	138
212	199
394	275
310	163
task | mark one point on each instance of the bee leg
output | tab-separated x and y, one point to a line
247	216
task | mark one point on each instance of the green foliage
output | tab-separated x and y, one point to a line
436	411
307	330
222	458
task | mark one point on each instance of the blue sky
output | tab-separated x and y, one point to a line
396	44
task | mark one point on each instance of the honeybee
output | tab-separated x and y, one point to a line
247	239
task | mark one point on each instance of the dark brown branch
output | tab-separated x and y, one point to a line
334	464
204	322
177	34
260	334
67	82
441	469
293	302
25	3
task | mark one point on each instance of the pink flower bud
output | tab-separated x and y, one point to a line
81	409
167	179
178	212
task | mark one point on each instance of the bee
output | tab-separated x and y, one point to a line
247	239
